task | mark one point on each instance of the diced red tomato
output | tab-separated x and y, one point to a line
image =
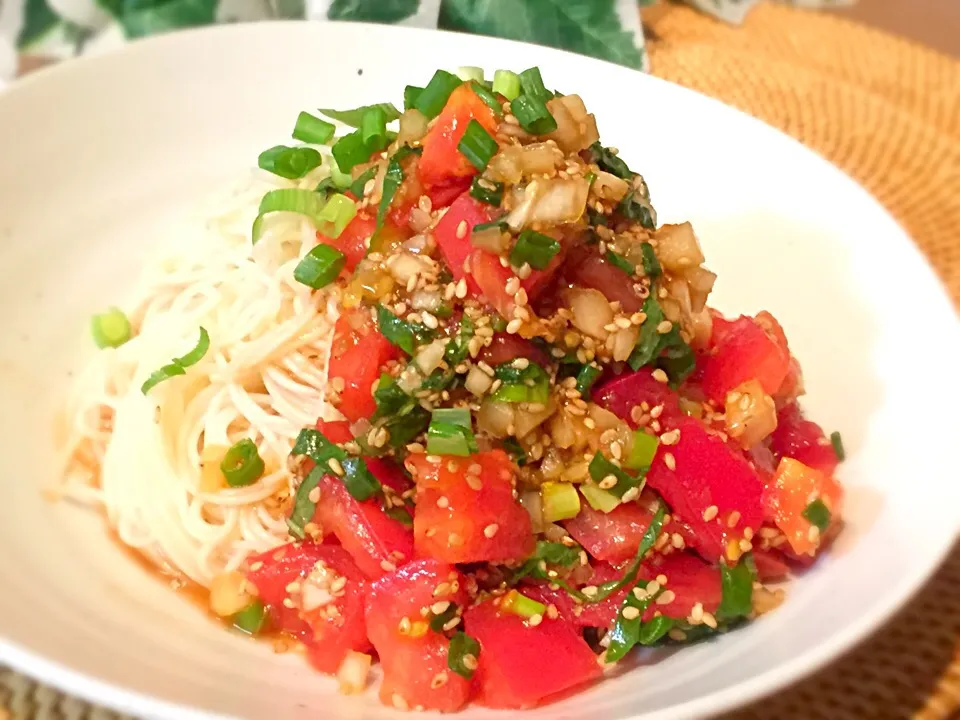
354	239
441	162
690	579
356	356
708	474
336	431
587	269
802	440
793	488
372	538
442	196
580	615
411	654
743	351
459	524
616	535
505	347
490	278
771	565
455	247
622	393
521	665
329	629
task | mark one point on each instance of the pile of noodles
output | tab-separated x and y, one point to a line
139	456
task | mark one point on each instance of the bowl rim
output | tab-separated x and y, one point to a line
118	697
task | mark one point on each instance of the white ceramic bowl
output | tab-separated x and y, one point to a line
103	158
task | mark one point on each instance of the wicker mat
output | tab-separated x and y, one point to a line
888	113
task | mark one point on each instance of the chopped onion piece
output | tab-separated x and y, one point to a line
525	421
551	202
413	126
426	300
404	266
491	239
750	414
591	311
495	418
677	247
430	356
478	382
353	671
531	503
608	186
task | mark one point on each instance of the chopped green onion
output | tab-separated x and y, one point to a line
487	191
817	513
600	469
477	145
532	83
358	185
341	179
590	177
621	262
358	480
507	83
533	115
488	98
517	604
547	553
303	506
649	341
313	130
325	187
351	150
403	334
438	621
651	264
737	585
400	514
625	633
392	179
654	629
319	267
178	366
677	359
586	377
634	209
445	438
469	72
497	323
289	162
354	118
837	443
530	383
516	451
373	127
560	501
110	328
462	655
455	416
642	451
252	619
242	464
458	348
610	162
336	215
601	500
435	95
410	95
405	419
534	248
498	223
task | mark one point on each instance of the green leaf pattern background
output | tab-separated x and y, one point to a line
607	29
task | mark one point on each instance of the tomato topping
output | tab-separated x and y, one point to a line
520	664
690	579
706	483
505	347
326	614
441	162
586	269
465	516
793	488
455	245
621	394
802	440
354	239
414	657
743	351
356	356
771	565
613	536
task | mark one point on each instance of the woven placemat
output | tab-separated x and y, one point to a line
888	113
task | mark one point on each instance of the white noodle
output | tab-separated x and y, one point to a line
263	378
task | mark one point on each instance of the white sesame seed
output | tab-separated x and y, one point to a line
462	229
664	327
440	607
662	579
670	461
670	438
513	327
709	620
813	535
535	620
443	502
666	597
630	612
430	321
314	495
653	587
608	482
398	702
710	513
387	566
659	375
491	530
513	284
696	614
469	661
733	519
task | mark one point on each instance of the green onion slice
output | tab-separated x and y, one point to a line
586	377
486	191
529	383
354	118
470	72
435	95
642	451
357	186
320	266
518	604
242	464
336	215
621	262
356	477
601	500
392	179
373	127
252	619
532	83
817	513
477	145
488	98
533	115
534	248
609	162
110	328
308	203
351	150
837	443
303	506
313	130
737	585
405	335
289	162
450	438
600	468
178	366
463	654
410	95
560	501
438	621
651	264
507	83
